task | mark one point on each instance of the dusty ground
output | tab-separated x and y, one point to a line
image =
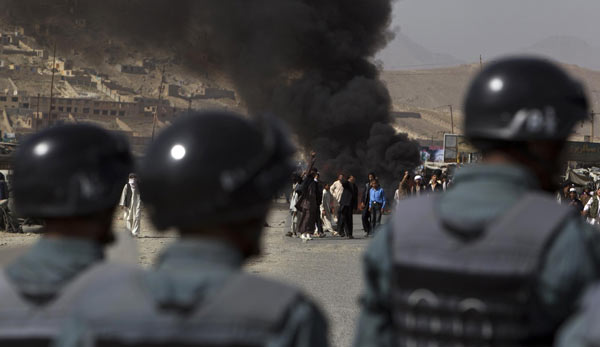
329	269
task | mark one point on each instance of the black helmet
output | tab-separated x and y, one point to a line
212	168
523	99
70	170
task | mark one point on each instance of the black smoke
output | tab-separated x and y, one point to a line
307	61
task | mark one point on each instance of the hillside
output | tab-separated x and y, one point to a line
420	98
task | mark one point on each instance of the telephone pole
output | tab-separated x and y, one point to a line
592	116
160	91
480	62
451	119
52	82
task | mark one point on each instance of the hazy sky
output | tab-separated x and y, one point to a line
467	28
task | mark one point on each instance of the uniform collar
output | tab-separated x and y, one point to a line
197	251
497	173
482	192
51	263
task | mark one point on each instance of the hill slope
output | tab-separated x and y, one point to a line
420	98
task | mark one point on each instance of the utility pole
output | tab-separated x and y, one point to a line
160	90
451	119
480	62
592	116
52	82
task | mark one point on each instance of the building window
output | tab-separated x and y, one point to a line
52	108
69	102
2	98
75	110
96	103
26	105
104	112
60	101
60	108
113	113
15	99
96	111
121	113
86	110
68	109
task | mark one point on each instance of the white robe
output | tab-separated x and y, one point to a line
133	212
327	216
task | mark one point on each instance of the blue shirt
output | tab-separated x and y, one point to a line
377	195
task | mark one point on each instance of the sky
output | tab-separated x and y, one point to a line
468	28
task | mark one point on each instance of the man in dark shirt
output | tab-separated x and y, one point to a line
574	200
348	203
366	216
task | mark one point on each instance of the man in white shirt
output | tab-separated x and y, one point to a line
336	190
132	205
590	210
326	211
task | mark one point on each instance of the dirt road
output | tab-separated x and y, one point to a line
329	269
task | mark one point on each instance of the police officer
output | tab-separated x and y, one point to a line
211	177
494	261
71	177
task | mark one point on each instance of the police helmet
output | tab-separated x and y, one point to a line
212	168
523	99
69	170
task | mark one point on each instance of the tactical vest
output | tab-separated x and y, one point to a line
449	290
247	311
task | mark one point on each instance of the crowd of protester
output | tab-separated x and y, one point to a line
318	207
585	200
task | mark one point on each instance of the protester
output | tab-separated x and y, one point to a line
132	205
336	190
434	186
574	200
319	225
326	210
591	209
308	202
418	187
366	216
403	188
585	195
377	203
293	232
446	183
347	205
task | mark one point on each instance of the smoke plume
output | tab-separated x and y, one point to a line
306	61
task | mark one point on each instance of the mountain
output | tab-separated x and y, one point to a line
420	99
567	49
403	53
